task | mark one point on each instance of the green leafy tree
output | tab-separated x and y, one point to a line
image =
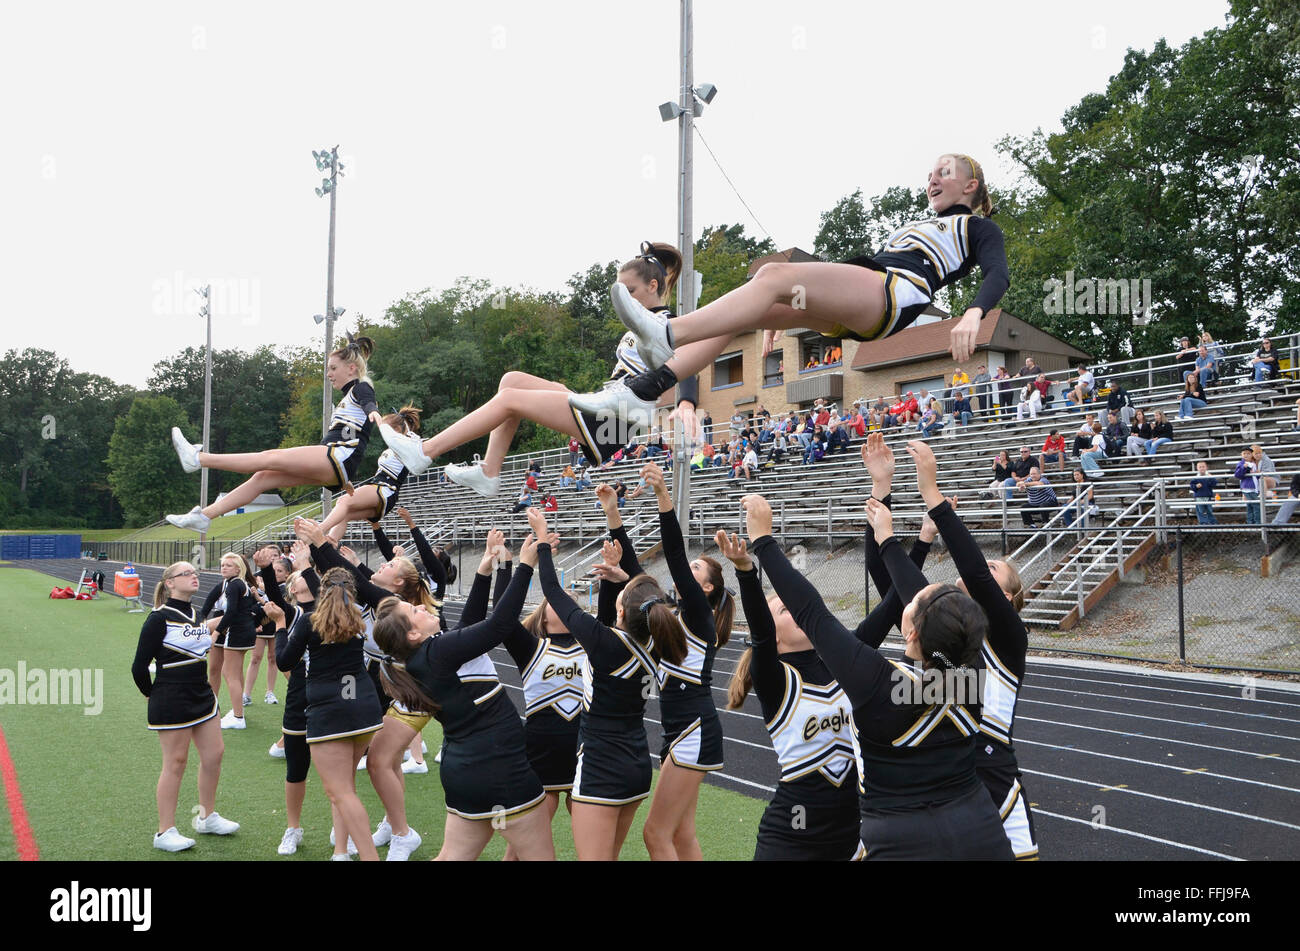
142	468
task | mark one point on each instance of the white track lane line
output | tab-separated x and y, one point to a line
1166	703
1140	835
1143	762
1161	739
1103	787
1198	693
1142	716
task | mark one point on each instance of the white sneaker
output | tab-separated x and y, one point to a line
473	477
406	754
194	520
383	834
424	747
270	697
276	752
438	758
213	824
615	400
651	328
411	766
401	846
232	722
352	846
172	841
408	447
247	699
188	451
289	843
361	764
340	857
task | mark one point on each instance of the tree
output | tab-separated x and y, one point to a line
723	255
853	228
142	468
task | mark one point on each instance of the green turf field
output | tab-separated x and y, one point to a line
227	526
88	781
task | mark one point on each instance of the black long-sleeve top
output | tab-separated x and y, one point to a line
619	667
351	418
888	614
913	754
1163	430
433	566
695	670
174	638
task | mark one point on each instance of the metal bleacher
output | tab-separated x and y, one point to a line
1066	569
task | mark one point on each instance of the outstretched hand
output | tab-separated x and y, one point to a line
962	339
770	337
309	531
611	552
758	516
734	549
692	430
879	461
537	522
927	469
881	519
405	516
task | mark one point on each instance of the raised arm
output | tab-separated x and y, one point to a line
454	648
476	603
764	661
593	635
382	540
692	601
290	645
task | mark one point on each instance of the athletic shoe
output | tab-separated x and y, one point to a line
172	841
247	700
406	754
188	451
401	846
194	520
424	747
340	857
438	758
289	843
412	766
474	477
615	400
651	328
383	834
352	846
407	447
276	752
213	824
232	722
361	764
270	697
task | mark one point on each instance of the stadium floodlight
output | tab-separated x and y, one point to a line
668	111
319	318
706	91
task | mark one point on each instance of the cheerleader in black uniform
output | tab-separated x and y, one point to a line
342	708
375	498
866	298
923	799
648	279
488	782
332	464
232	604
614	770
270	583
997	588
551	663
182	704
814	814
692	740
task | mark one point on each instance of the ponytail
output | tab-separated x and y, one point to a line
649	619
337	618
741	681
160	589
405	420
389	631
980	201
950	628
721	600
658	262
356	350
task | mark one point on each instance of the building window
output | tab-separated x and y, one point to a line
817	352
774	369
729	370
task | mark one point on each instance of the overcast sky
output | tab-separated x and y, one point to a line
149	147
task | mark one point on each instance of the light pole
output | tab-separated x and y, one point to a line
206	312
328	186
690	103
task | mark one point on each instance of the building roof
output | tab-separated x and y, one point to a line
932	340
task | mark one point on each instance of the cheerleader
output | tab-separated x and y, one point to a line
375	498
342	708
488	782
551	663
865	298
271	583
232	604
182	703
692	732
648	279
332	464
997	588
814	814
922	799
614	772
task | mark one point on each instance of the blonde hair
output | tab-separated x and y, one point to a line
742	681
355	350
244	571
337	618
980	202
160	589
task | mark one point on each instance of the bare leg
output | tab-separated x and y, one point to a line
264	481
500	438
294	794
693	357
384	764
549	806
254	665
550	408
232	669
175	754
363	504
211	747
336	764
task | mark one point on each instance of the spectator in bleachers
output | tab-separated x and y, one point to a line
1193	397
1138	435
1005	386
637	490
1287	508
1186	357
1119	400
961	409
706	424
737	423
1215	350
1030	369
1267	471
897	414
931	420
584	480
1054	450
911	409
1162	433
822	415
1207	368
620	492
654	445
1264	362
568	477
525	498
960	386
1083	438
858	423
1001	473
551	503
1020	470
1084	385
837	439
1042	502
980	389
749	464
816	450
1030	402
776	452
1082	501
1091	459
575	451
534	466
1116	435
530	480
1245	475
697	461
1203	485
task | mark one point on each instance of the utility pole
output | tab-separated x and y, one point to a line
328	160
206	311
